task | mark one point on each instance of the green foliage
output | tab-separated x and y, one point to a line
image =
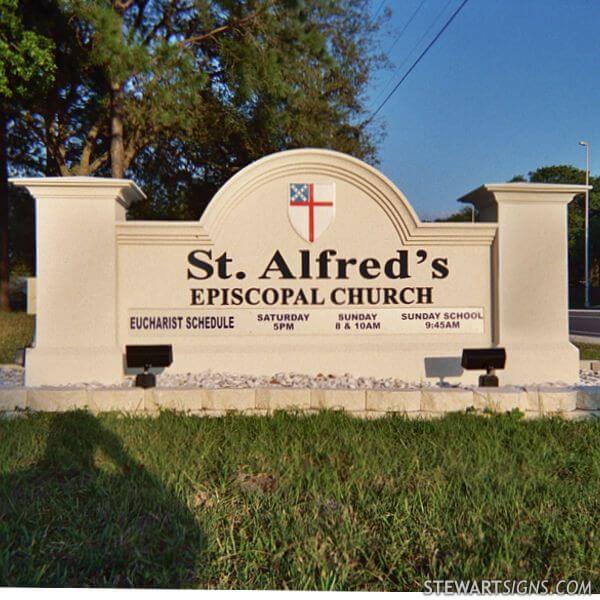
206	87
464	215
99	24
321	502
21	218
16	331
26	58
296	78
588	351
139	50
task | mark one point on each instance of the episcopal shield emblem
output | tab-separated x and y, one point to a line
311	207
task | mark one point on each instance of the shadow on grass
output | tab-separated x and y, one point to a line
87	514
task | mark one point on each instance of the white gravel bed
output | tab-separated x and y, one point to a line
13	375
587	378
212	380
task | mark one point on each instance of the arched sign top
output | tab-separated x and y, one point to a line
311	178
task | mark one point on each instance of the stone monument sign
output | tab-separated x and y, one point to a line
307	261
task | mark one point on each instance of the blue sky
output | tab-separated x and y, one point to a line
511	85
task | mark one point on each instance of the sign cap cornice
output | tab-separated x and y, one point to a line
126	191
496	193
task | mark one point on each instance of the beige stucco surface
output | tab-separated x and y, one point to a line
96	271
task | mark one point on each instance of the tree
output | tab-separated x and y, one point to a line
300	84
156	70
26	65
181	94
463	215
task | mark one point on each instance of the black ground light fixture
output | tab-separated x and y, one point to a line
145	357
474	359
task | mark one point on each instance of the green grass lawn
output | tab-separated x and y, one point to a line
317	502
16	331
589	351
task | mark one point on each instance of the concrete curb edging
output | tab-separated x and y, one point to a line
571	403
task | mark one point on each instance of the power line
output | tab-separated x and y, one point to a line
412	51
433	41
379	9
406	26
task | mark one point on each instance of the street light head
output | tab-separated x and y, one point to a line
582	143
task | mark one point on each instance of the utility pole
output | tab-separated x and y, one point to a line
587	222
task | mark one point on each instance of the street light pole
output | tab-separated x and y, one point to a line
587	222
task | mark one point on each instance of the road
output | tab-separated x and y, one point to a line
584	322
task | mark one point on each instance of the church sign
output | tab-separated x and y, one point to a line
306	261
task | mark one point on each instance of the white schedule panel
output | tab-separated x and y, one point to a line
313	321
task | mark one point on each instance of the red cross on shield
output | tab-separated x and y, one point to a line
311	208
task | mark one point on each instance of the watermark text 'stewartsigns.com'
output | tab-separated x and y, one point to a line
506	586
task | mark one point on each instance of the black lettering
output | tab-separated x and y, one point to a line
278	264
342	266
334	296
368	265
200	264
197	296
286	294
305	264
237	297
222	268
323	260
401	272
213	294
440	268
249	293
389	295
315	299
424	295
404	292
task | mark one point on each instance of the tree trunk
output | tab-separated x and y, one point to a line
4	274
117	147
